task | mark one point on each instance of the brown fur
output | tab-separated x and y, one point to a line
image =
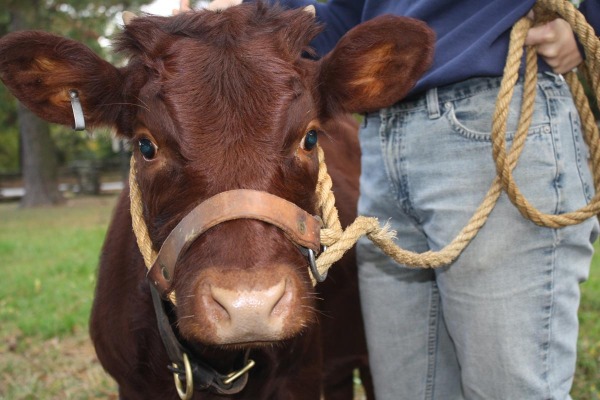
227	98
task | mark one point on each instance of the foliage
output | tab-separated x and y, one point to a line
84	20
9	134
72	146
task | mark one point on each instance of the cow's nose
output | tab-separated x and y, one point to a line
250	315
255	303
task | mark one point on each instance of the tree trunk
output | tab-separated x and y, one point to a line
39	162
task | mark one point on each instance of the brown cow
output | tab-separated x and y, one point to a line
213	102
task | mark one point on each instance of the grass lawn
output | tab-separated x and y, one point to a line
587	378
48	261
48	268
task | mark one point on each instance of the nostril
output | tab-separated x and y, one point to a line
277	294
284	300
215	306
220	306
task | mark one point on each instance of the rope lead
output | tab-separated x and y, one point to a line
341	241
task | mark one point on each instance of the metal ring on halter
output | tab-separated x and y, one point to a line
313	267
235	375
189	380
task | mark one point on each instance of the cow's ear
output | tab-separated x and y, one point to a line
375	64
40	69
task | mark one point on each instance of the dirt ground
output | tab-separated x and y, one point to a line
65	368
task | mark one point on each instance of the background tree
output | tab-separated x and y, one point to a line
88	21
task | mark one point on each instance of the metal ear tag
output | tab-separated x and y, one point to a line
77	110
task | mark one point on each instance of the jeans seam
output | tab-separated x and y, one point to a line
557	146
580	154
396	174
432	340
386	138
549	337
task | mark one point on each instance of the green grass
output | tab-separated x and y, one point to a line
48	260
587	378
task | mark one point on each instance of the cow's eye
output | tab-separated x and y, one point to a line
147	148
310	140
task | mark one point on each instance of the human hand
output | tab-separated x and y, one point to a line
555	43
222	4
184	5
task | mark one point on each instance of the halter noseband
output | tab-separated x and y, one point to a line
299	226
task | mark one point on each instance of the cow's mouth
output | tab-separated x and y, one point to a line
252	345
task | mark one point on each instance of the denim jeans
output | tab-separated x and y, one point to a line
501	321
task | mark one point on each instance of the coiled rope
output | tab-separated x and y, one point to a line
339	240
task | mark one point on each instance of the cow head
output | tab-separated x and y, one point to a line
215	101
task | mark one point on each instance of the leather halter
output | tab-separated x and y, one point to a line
299	226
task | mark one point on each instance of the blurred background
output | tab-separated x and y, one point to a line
63	162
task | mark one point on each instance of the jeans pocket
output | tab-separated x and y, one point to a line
537	172
472	117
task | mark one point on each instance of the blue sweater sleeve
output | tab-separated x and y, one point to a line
339	16
471	35
591	10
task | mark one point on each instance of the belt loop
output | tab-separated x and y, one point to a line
433	105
